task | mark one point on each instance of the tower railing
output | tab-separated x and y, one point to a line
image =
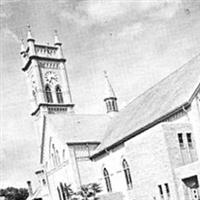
46	51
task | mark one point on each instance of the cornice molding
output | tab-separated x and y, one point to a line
25	68
51	105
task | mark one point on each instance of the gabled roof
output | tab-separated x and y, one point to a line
76	128
156	103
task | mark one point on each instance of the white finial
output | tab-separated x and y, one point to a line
23	49
56	40
29	35
109	90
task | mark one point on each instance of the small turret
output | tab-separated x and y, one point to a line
31	42
58	44
111	99
29	34
56	39
23	53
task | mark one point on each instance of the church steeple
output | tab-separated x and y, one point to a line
110	98
47	76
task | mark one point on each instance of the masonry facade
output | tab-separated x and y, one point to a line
150	150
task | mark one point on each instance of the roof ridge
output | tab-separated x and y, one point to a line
166	77
179	84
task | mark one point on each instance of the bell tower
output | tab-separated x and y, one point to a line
45	67
110	97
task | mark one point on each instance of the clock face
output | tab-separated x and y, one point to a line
51	77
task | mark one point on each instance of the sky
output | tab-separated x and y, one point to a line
138	42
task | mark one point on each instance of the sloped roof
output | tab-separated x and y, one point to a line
76	128
160	100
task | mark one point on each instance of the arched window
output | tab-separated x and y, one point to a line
59	94
53	160
48	94
57	157
44	181
54	156
109	106
113	105
62	191
127	174
50	141
116	107
59	193
63	154
107	180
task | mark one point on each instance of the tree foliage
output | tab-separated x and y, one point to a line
68	191
89	190
11	193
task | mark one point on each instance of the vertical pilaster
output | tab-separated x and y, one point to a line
195	121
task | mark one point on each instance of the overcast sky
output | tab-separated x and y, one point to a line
138	42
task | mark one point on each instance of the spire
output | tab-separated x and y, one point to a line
29	34
56	40
110	98
30	41
23	49
109	90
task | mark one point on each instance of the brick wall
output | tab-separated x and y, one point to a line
83	167
149	163
179	155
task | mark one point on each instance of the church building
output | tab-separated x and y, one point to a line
149	150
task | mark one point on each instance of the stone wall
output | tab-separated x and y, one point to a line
83	167
148	158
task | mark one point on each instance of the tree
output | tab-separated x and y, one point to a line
68	191
95	188
89	190
11	193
